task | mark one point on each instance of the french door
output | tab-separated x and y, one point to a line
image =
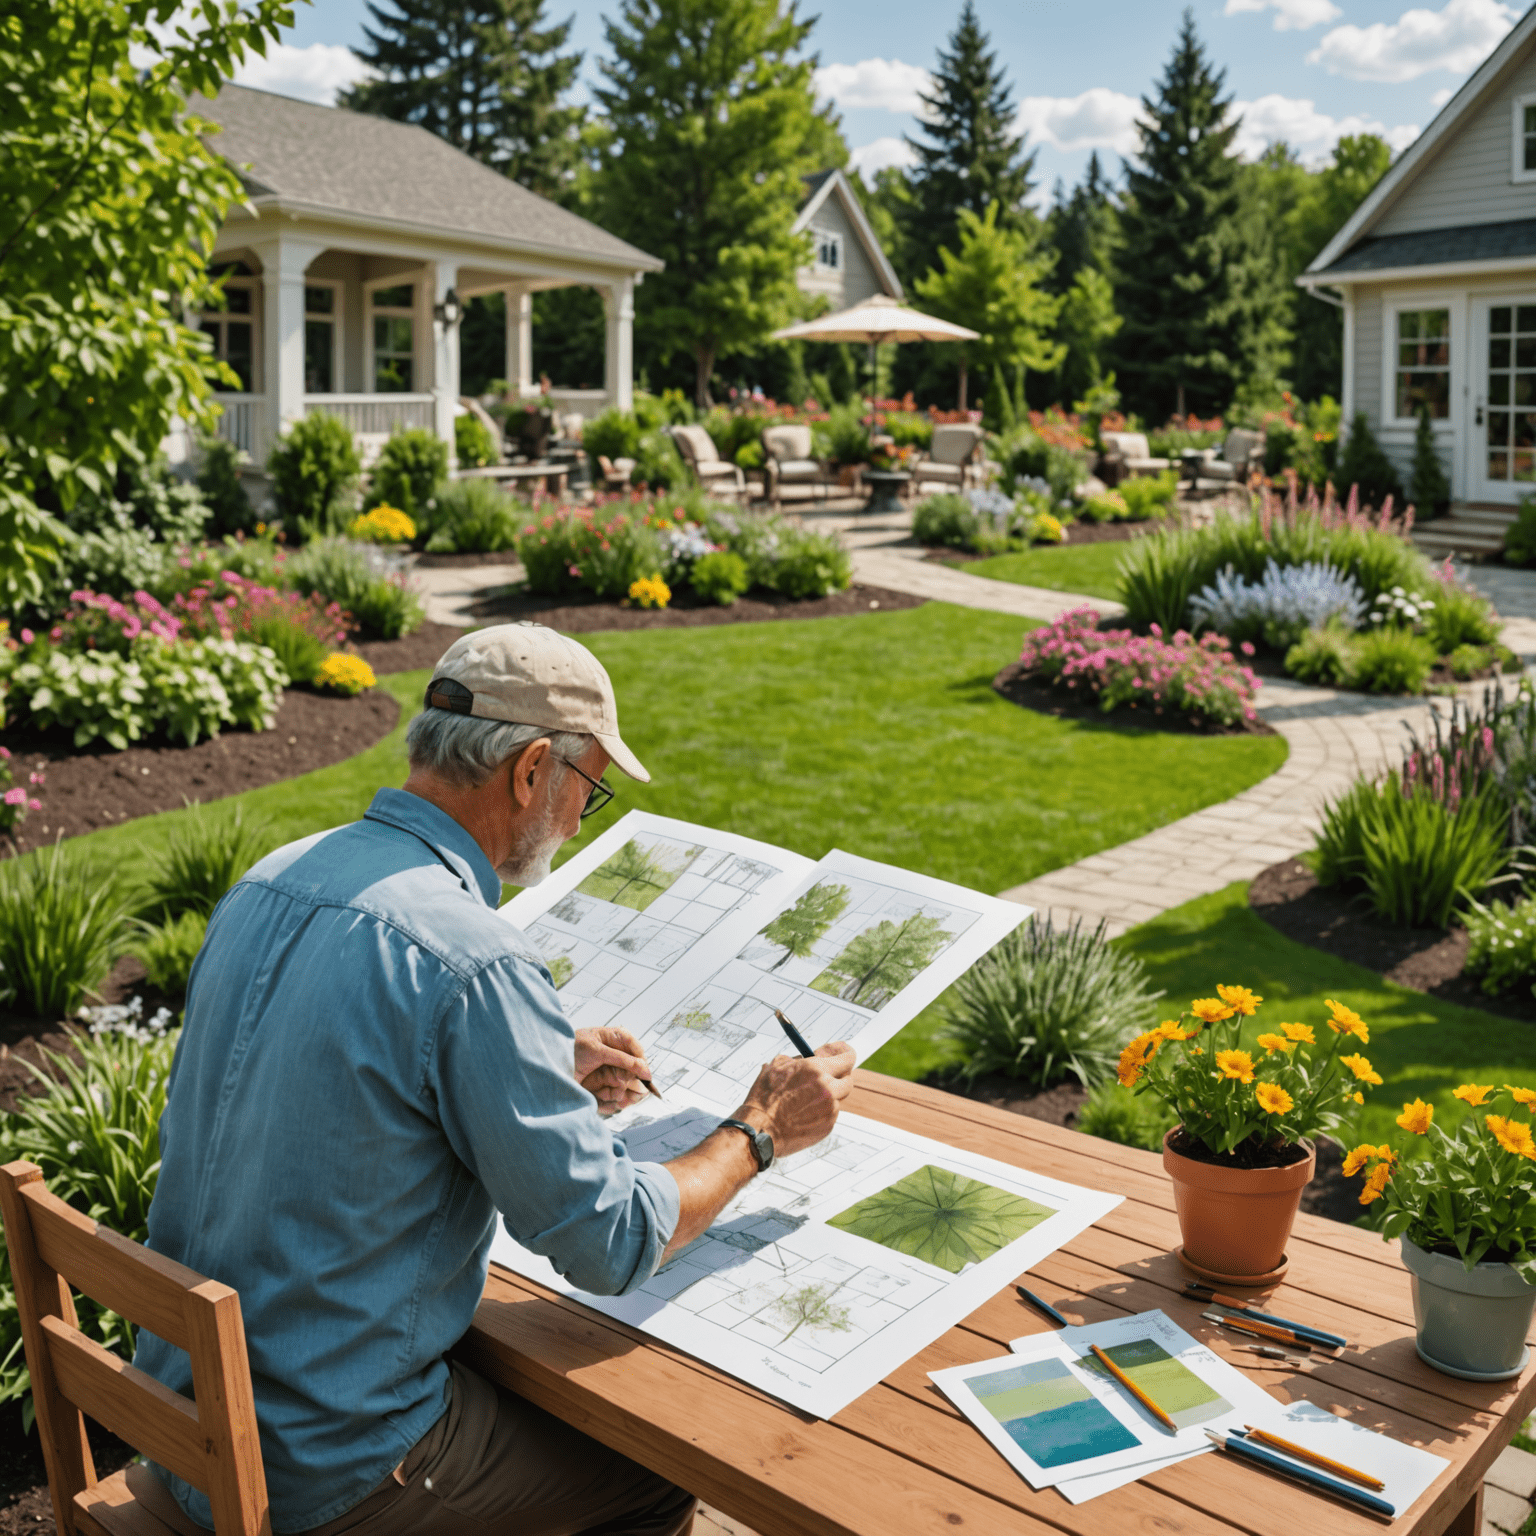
1504	383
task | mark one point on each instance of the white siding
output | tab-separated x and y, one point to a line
1368	353
1470	180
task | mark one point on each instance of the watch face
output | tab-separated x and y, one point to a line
762	1144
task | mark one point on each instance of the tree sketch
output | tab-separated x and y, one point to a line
797	928
942	1217
879	962
561	969
694	1018
810	1307
635	876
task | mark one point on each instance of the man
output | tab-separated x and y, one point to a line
373	1065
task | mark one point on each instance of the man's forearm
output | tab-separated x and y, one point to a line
708	1178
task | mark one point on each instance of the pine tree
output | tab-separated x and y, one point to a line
1081	227
486	75
973	158
797	928
1195	279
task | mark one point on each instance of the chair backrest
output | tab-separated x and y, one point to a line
697	445
1240	445
211	1443
954	444
792	441
1129	445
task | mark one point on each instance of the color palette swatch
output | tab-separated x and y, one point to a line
1049	1414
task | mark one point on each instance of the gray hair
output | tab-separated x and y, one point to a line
467	751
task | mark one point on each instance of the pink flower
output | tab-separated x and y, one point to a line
55	633
1246	648
34	805
27	637
15	797
36	778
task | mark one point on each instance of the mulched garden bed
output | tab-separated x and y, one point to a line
25	1508
582	615
1046	699
1288	898
411	653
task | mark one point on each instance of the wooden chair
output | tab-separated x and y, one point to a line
211	1443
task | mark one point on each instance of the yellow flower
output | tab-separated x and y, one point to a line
344	674
1134	1058
1210	1010
1300	1033
383	525
1416	1117
1472	1093
1513	1135
1240	1000
1526	1096
1238	1065
1197	1050
1273	1099
1362	1069
1345	1021
1385	1153
1376	1183
1170	1029
650	592
1359	1098
1358	1159
1273	1043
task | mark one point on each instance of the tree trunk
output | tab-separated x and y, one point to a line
962	384
704	365
1181	403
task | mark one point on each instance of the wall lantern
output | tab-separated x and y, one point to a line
450	311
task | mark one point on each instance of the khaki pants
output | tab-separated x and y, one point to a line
493	1465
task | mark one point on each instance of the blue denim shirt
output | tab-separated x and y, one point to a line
373	1065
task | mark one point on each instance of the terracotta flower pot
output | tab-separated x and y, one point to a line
1236	1221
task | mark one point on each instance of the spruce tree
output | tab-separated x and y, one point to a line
1081	227
486	75
1195	279
970	157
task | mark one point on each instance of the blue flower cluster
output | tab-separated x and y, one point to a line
1281	606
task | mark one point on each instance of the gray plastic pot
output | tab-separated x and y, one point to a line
1471	1323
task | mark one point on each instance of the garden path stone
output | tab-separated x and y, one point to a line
449	593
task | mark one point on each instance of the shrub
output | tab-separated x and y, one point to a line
1106	507
345	675
193	688
314	467
167	952
810	564
474	517
383	524
601	550
300	652
1118	668
752	536
383	605
148	495
947	519
1148	496
100	695
1044	528
1466	661
1049	1004
658	464
1502	943
909	429
473	445
843	437
410	467
205	855
751	456
300	631
1520	540
1430	489
62	926
1324	656
1280	607
1364	465
118	561
1116	1114
1391	660
615	434
218	478
1460	616
720	576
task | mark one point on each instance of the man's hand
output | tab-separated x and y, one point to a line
610	1064
796	1098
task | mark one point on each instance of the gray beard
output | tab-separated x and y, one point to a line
531	863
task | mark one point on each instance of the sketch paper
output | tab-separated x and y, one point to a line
690	938
839	1263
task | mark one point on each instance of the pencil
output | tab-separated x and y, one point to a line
1326	1462
796	1039
1238	1445
1043	1306
651	1087
1135	1391
1302	1330
1259	1330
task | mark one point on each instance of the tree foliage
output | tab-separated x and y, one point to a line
485	75
111	198
797	928
1082	227
879	962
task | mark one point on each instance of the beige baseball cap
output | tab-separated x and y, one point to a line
529	674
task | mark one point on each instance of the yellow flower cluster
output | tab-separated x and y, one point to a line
650	592
1376	1182
340	673
383	525
1141	1050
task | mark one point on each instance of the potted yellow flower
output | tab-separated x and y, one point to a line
1241	1154
1464	1208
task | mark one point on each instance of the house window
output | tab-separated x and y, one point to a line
829	249
1523	161
1512	392
319	340
394	333
231	330
1423	362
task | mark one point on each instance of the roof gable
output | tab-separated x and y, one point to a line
830	184
350	163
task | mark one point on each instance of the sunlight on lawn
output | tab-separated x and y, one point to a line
1086	568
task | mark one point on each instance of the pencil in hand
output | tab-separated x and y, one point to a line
1130	1386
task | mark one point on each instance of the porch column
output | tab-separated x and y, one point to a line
445	360
519	304
619	354
284	260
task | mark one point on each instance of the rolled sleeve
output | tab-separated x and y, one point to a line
501	1072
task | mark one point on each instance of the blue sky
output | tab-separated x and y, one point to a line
1303	70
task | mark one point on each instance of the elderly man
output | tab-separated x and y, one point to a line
374	1065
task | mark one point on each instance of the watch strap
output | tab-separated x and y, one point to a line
756	1138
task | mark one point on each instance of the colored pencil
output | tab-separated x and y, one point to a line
1238	1445
1258	1330
1301	1330
1325	1462
796	1039
1269	1352
1135	1391
1043	1306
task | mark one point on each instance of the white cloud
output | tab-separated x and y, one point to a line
315	73
1457	38
1098	119
869	159
1441	96
1290	15
1310	132
884	83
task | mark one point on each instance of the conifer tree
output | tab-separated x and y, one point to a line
1195	275
486	75
971	157
1081	227
1431	491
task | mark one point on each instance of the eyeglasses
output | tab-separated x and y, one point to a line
597	797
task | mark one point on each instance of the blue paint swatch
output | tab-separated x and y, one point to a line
1049	1414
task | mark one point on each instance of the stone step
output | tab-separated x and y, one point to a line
1453	535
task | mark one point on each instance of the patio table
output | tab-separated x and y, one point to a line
900	1459
553	475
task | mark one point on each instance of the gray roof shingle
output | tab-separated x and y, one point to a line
1430	247
380	169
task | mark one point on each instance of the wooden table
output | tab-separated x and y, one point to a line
553	475
900	1459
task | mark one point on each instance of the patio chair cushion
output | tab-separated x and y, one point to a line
790	443
1240	445
798	469
954	444
931	469
1134	453
697	445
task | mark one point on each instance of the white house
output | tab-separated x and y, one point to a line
847	262
1436	272
361	239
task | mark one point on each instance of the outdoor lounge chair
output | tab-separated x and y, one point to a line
1127	454
955	457
787	460
718	476
615	472
1240	455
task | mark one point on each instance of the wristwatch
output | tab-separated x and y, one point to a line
762	1142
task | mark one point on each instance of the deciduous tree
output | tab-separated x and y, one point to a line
879	962
797	928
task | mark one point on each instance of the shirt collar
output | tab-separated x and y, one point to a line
443	835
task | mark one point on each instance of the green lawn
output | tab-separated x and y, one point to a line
1086	568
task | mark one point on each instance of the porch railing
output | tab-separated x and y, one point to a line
375	413
242	419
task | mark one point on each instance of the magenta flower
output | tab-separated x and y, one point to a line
15	797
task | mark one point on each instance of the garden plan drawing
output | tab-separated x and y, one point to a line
691	938
839	1263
